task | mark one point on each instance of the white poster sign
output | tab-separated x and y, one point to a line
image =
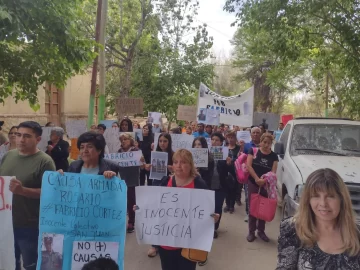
208	140
138	134
200	156
92	250
175	217
7	258
209	116
243	135
125	159
154	118
45	138
159	163
219	152
112	138
74	128
234	110
179	141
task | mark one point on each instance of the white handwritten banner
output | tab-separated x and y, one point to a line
179	141
92	250
175	217
219	152
7	258
125	159
243	135
200	156
83	208
74	128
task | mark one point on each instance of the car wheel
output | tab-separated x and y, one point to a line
285	208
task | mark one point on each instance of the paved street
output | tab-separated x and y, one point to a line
230	251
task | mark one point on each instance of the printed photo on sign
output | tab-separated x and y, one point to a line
202	115
243	135
234	110
52	251
83	208
212	117
200	156
219	152
154	118
175	217
86	251
138	134
159	163
7	258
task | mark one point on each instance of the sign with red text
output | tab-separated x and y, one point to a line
175	217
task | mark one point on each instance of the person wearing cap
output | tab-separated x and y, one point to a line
201	131
50	260
27	164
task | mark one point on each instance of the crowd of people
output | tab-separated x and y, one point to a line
322	233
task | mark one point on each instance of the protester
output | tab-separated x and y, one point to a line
101	264
262	129
209	130
185	176
231	189
3	138
255	142
263	162
131	175
126	125
175	131
101	130
208	172
278	132
115	125
194	126
27	164
136	126
11	144
188	130
58	149
164	145
218	180
145	147
201	131
323	234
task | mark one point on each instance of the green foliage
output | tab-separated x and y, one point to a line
40	41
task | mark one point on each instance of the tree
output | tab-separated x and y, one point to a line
40	41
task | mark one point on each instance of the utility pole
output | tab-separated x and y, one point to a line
101	110
327	96
94	69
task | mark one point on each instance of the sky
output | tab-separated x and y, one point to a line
211	12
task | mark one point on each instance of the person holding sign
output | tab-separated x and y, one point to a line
201	131
131	175
145	146
27	164
185	176
208	172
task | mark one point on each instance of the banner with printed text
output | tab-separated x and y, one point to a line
82	218
234	110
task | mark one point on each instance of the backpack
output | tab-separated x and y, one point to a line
242	173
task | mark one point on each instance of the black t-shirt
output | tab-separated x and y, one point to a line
262	163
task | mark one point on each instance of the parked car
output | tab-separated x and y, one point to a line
308	144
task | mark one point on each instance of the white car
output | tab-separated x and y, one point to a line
308	144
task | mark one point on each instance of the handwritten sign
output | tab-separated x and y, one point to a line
243	135
130	105
175	217
186	113
219	152
125	159
45	137
92	250
7	258
179	141
159	163
200	156
74	150
74	128
83	208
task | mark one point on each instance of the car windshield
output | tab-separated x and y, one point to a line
325	139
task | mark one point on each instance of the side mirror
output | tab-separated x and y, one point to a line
279	149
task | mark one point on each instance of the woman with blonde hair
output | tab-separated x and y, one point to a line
185	176
323	234
264	161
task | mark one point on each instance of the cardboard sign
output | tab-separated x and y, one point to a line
130	105
175	217
7	258
186	113
82	208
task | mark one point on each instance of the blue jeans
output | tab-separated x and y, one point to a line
26	244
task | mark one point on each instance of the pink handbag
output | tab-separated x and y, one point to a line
262	208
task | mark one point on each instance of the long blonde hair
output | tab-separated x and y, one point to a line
327	180
186	156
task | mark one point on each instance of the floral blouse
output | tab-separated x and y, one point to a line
291	256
